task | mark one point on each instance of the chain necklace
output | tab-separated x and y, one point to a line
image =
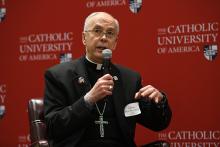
101	122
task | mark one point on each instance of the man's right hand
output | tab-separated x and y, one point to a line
102	88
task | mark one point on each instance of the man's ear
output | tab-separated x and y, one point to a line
84	38
116	39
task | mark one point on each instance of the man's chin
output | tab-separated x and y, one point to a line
98	53
98	57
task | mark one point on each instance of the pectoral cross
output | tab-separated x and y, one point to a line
101	123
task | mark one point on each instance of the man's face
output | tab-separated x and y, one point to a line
100	34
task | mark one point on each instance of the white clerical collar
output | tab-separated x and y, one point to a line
98	66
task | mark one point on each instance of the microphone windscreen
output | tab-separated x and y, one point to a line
107	54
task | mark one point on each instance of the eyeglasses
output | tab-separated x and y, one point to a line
100	32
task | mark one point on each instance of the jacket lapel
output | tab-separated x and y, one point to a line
80	77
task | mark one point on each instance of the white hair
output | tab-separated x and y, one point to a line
95	13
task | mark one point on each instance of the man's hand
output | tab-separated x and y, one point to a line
149	92
101	89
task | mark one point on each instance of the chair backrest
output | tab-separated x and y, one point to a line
37	126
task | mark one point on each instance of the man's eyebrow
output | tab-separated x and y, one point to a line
100	27
97	26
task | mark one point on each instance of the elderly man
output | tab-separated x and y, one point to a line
86	107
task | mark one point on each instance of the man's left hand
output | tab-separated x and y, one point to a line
150	93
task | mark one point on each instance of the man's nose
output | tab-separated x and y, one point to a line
104	37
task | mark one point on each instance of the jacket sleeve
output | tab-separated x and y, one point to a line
154	116
63	118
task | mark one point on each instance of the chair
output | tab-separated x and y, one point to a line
36	121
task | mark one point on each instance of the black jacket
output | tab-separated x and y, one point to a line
67	116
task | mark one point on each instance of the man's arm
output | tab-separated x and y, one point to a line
155	116
62	118
156	113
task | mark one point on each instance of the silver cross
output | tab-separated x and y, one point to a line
101	123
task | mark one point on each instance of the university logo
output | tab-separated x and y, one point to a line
2	10
65	57
2	111
135	5
2	14
210	52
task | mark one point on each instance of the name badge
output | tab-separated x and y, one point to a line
132	109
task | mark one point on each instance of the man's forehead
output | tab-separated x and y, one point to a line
104	16
100	20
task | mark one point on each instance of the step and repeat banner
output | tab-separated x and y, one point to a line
173	44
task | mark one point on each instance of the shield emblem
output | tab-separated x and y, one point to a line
65	57
2	111
135	5
2	14
210	52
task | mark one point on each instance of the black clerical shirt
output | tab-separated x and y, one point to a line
112	134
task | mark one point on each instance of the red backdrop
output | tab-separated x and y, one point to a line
173	44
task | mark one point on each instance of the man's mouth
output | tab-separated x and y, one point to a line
101	47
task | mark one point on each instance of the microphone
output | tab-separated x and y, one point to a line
107	55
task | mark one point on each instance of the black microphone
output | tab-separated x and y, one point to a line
107	55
